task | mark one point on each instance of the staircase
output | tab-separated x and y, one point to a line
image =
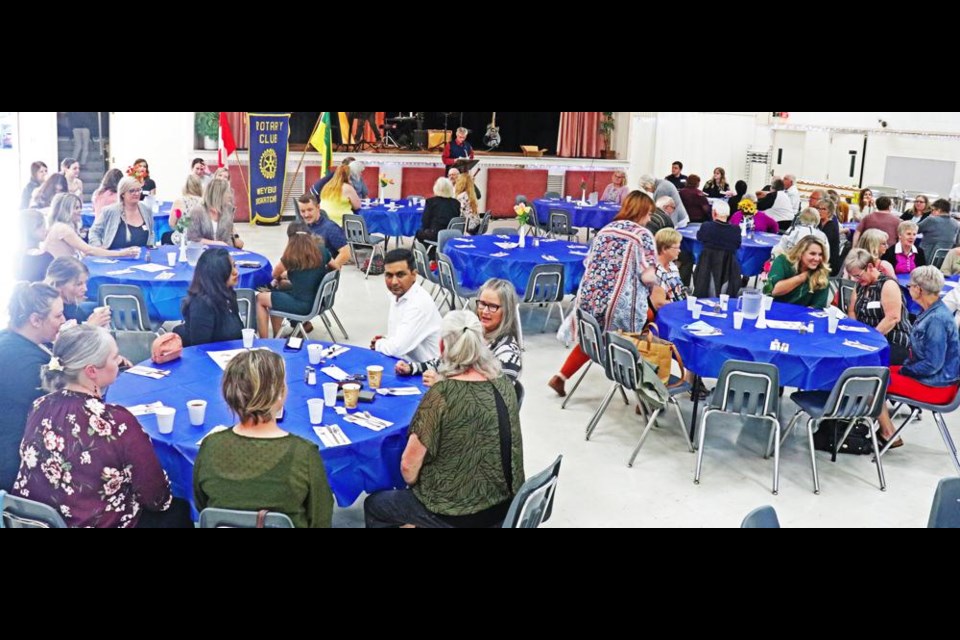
91	172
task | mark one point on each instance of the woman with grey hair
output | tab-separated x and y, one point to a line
211	223
617	190
905	256
92	461
438	210
878	301
36	315
806	225
453	461
356	179
129	223
497	310
62	237
932	370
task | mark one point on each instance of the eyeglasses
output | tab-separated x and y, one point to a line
135	191
486	306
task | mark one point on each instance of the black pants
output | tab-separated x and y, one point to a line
176	517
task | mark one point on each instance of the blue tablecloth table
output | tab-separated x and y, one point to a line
590	216
403	221
754	251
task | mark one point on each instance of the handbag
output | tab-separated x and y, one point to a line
166	348
658	352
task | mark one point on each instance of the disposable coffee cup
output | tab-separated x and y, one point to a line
691	302
248	336
832	323
171	259
696	311
374	376
767	303
351	395
315	406
165	417
314	351
198	412
737	320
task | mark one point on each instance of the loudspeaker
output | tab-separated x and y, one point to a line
420	138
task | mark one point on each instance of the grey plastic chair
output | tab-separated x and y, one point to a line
355	228
548	195
443	237
593	342
546	286
533	503
247	302
938	257
211	518
761	518
322	304
945	510
135	346
459	223
857	396
559	225
128	309
423	266
846	288
21	513
751	390
484	224
450	282
937	410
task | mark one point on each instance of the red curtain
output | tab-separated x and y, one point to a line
579	134
238	124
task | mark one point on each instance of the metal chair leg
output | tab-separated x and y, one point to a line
577	384
339	324
947	440
813	457
600	411
700	437
643	436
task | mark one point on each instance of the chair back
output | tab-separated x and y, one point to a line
355	229
445	235
551	195
591	337
520	393
327	293
135	346
859	393
459	223
247	303
423	264
484	223
747	388
128	310
533	503
846	288
21	513
211	518
623	358
560	222
938	257
761	518
545	284
945	510
520	198
448	274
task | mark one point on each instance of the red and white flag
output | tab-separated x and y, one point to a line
227	144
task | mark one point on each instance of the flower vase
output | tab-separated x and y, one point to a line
523	237
583	197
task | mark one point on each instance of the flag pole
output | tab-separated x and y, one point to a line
302	156
236	153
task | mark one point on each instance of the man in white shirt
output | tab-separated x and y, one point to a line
413	329
790	182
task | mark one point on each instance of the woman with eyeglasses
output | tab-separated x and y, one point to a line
830	226
932	369
129	223
497	310
919	212
617	190
878	301
905	256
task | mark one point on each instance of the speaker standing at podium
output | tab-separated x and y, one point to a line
458	148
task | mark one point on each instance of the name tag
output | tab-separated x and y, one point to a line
874	305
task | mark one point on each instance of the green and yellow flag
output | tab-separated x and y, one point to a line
322	141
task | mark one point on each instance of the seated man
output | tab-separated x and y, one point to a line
320	225
413	329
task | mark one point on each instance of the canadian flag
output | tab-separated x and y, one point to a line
227	144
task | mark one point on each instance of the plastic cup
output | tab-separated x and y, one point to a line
569	198
351	395
314	351
767	303
724	301
737	320
165	417
248	336
696	311
171	259
374	376
198	412
315	406
330	393
833	321
691	302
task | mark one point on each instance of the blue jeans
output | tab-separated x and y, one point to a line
392	509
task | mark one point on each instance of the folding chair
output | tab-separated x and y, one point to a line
211	518
937	410
761	518
21	513
355	228
545	286
533	503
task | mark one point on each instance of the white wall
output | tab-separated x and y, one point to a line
927	121
164	138
37	141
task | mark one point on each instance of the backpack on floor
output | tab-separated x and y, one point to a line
859	442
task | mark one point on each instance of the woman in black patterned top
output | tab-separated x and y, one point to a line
878	302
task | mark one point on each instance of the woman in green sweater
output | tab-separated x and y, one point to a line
802	275
256	465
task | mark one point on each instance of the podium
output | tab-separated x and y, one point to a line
465	164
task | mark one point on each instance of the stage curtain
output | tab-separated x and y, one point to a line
579	134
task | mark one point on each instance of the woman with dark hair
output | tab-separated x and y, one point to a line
305	268
741	190
210	310
106	193
33	260
70	169
43	196
149	186
38	173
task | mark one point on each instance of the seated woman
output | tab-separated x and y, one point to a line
497	310
438	211
865	206
802	276
33	260
669	287
210	310
931	371
149	185
191	197
762	223
453	462
919	212
338	196
617	190
807	224
256	464
62	237
106	194
211	223
69	276
36	315
305	267
129	223
905	256
717	186
469	206
740	191
38	174
43	197
70	169
874	242
878	301
101	470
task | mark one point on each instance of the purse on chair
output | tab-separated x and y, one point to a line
166	348
658	352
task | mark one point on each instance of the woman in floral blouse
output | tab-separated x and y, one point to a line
91	461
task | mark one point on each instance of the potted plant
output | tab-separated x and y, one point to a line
207	125
607	125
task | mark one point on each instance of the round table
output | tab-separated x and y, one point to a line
402	219
590	216
949	284
161	220
370	462
754	251
814	361
477	259
163	297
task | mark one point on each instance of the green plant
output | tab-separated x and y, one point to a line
207	124
607	125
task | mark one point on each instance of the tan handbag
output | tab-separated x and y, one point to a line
658	352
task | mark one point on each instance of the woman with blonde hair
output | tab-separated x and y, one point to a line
617	190
211	222
129	223
62	237
190	198
469	205
875	242
338	197
802	275
717	186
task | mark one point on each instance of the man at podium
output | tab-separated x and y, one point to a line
459	152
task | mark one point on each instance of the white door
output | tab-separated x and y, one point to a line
845	159
788	152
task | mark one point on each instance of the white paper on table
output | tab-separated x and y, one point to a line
786	325
331	436
151	267
121	272
239	253
148	372
713	314
819	314
548	258
506	245
145	409
702	329
860	345
499	254
464	246
579	253
335	373
333	351
223	358
104	261
549	239
399	391
166	275
504	237
575	246
216	429
854	328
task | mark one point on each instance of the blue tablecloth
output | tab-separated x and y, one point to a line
754	251
591	216
912	306
163	297
161	221
404	221
370	463
475	266
814	361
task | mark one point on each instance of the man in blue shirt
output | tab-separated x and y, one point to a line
458	148
322	226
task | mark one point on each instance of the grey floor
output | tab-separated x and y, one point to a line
596	487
